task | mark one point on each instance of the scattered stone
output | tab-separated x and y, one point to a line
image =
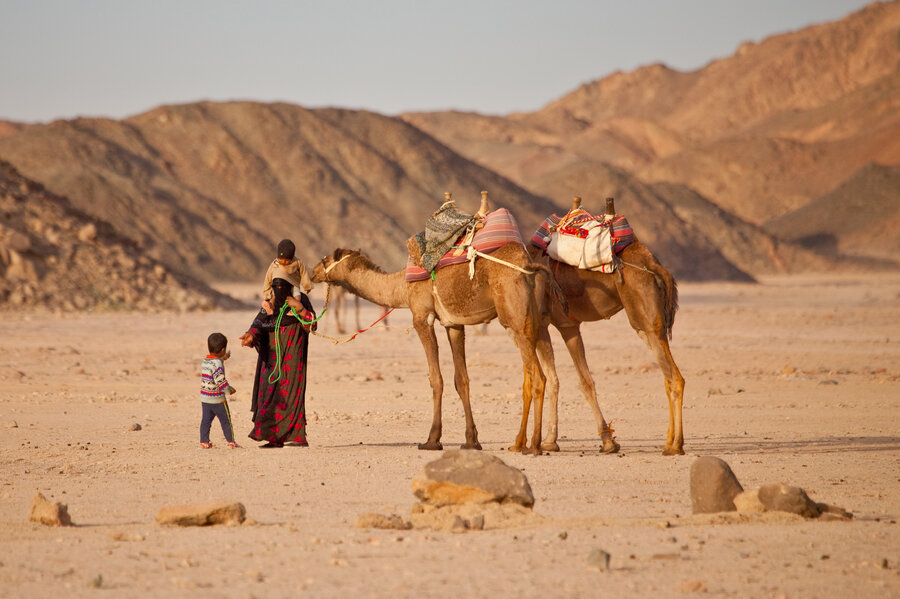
87	232
458	525
12	424
134	427
203	514
828	382
389	522
466	476
49	513
713	486
96	582
693	586
833	512
476	522
489	516
563	535
598	560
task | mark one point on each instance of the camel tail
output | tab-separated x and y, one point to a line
555	289
667	286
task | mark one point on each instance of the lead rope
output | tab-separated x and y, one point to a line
277	372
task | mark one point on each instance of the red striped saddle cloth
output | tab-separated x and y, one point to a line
499	229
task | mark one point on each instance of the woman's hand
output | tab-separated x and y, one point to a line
246	339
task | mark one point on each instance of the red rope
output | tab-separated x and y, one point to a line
382	317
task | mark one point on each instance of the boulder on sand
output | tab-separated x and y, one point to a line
466	476
713	486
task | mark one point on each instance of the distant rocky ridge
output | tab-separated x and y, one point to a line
728	172
55	257
210	188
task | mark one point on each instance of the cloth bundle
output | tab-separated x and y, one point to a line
583	240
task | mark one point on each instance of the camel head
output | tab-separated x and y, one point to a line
322	273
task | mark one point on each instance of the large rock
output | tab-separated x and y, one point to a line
785	498
466	476
202	514
49	513
713	486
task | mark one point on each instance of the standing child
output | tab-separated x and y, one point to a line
291	267
214	389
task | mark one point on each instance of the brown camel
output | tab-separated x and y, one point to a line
649	295
496	291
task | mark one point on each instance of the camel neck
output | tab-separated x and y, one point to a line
384	289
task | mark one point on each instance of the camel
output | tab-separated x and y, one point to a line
497	291
649	295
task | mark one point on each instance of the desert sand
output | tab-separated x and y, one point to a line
792	380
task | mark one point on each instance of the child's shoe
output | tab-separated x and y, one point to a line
206	445
234	445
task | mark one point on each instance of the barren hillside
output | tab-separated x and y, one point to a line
210	188
55	256
840	222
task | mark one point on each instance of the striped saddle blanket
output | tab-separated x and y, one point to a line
499	229
584	240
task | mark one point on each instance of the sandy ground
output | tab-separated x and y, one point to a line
794	380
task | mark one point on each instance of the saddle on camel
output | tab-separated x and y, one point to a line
451	237
602	268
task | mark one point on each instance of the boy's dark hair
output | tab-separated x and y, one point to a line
216	343
286	249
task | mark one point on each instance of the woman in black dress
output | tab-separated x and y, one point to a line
279	388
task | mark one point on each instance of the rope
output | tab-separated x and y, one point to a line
639	267
284	308
335	340
473	252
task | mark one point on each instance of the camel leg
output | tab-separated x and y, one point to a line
522	436
457	338
429	343
547	360
674	393
532	393
575	344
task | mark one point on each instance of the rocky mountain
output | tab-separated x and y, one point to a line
761	133
59	258
210	188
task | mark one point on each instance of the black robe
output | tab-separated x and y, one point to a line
279	407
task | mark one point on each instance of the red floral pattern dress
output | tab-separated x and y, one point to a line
279	407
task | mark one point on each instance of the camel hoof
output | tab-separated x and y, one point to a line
610	446
531	451
516	448
475	445
435	446
550	446
673	451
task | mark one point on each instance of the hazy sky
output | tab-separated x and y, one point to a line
64	58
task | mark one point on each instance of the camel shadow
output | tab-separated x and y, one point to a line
735	444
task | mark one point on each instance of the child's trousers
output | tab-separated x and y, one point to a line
220	411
